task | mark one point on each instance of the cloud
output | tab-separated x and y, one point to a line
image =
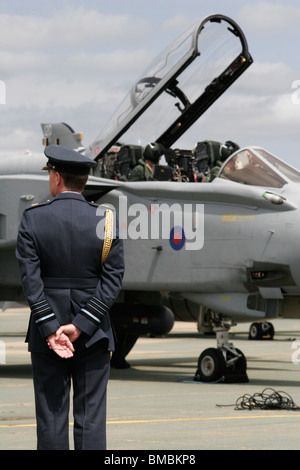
119	61
77	65
267	78
21	63
266	17
261	101
14	139
71	27
257	110
286	113
70	80
177	23
70	59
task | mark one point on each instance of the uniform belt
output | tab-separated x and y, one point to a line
70	282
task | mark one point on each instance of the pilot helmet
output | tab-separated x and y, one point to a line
227	149
153	152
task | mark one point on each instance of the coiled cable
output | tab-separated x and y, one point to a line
269	399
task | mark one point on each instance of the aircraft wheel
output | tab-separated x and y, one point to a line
259	331
270	331
255	331
211	365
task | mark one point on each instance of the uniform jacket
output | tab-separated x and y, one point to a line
59	255
140	172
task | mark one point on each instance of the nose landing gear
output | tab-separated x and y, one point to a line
224	363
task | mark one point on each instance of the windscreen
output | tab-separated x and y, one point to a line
287	170
247	168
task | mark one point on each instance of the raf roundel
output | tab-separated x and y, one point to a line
177	238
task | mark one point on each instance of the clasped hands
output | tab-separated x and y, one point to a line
61	342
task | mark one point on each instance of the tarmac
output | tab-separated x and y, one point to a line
155	405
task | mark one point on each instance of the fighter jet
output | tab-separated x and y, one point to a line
212	252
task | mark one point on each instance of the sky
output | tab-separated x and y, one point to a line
74	61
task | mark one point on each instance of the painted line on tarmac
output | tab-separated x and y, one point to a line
166	420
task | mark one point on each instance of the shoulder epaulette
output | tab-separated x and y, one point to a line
38	204
92	203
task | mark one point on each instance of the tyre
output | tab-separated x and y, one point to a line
211	365
268	330
260	331
255	331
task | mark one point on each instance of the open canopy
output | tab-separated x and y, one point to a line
180	85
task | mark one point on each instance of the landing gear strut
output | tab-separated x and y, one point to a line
224	363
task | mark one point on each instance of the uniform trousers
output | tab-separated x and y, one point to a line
88	371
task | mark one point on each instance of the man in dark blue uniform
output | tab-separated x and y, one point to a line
70	289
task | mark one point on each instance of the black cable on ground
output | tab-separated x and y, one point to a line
269	399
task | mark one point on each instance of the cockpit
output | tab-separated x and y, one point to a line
257	167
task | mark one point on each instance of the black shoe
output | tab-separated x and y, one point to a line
119	363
